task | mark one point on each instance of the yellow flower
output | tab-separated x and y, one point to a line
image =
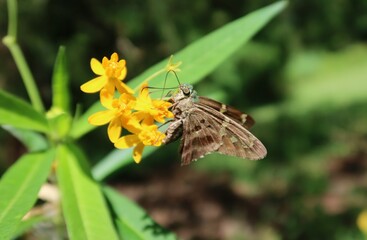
135	114
172	66
111	73
362	221
148	108
119	115
147	136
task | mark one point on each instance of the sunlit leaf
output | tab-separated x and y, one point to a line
27	224
19	187
18	113
60	83
84	207
81	125
116	159
132	221
32	140
207	53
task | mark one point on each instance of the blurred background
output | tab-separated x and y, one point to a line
303	78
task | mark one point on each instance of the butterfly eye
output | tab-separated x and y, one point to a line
186	91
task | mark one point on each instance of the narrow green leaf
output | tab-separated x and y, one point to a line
81	126
84	208
60	83
18	113
204	55
32	140
19	187
27	224
115	160
132	221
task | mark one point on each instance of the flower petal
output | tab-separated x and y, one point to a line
114	57
123	74
94	85
131	124
122	87
96	66
114	129
106	98
138	152
127	141
101	118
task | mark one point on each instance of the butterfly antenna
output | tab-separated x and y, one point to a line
165	80
174	72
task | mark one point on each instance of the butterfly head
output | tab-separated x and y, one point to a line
186	91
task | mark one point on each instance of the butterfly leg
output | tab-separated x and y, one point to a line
174	131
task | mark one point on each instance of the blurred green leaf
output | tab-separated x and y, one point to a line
19	187
116	159
18	113
32	140
336	78
84	208
60	83
132	221
321	80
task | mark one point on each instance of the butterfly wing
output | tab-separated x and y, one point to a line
207	130
243	119
236	139
200	136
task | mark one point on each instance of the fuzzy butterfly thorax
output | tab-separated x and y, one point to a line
208	126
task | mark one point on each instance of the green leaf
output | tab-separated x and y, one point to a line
32	140
60	124
18	113
60	83
81	126
19	187
204	55
84	208
27	225
115	160
132	221
320	80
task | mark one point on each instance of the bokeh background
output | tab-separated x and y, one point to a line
303	78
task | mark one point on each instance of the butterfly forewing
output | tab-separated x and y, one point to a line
201	136
246	120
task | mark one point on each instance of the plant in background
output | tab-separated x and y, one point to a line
362	222
54	156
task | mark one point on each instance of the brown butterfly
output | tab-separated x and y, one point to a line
208	126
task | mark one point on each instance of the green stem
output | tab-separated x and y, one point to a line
12	17
11	42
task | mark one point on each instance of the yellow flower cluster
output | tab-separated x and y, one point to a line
137	115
